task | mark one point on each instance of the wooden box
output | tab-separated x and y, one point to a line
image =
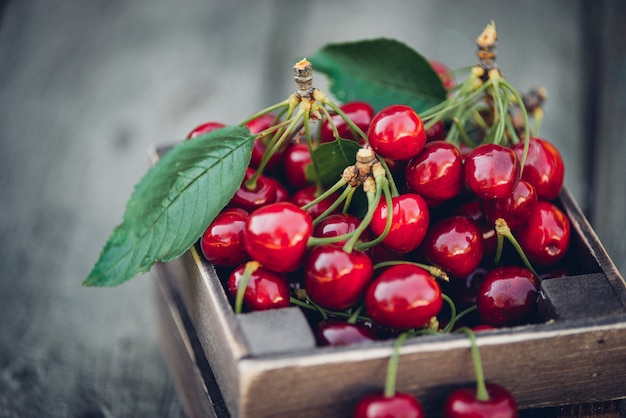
267	364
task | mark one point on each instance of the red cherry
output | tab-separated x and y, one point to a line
361	113
545	235
338	224
409	223
204	128
337	333
507	296
437	132
397	132
276	236
436	173
255	126
492	171
462	403
222	242
282	194
297	157
380	406
473	209
335	279
444	73
515	208
544	167
265	289
455	244
251	199
307	195
403	296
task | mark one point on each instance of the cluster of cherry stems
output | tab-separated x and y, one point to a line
429	244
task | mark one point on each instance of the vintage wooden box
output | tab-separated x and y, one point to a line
266	364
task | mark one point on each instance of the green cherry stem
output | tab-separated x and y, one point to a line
280	105
434	271
481	388
392	366
373	197
453	316
392	183
502	229
466	312
362	246
520	102
251	267
351	124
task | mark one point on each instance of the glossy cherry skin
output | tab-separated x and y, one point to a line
308	194
255	126
436	173
409	222
492	171
507	296
473	209
462	403
251	199
397	132
338	224
204	128
515	208
295	161
335	279
455	244
222	242
276	236
338	333
544	167
404	296
265	289
545	235
380	406
360	113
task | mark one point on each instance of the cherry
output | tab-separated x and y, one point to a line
397	132
492	171
265	289
473	209
338	333
338	224
250	199
307	195
380	406
507	296
515	208
255	126
404	296
360	113
282	194
204	128
410	219
335	279
545	235
455	244
444	73
436	173
297	157
463	403
276	236
222	242
543	168
437	132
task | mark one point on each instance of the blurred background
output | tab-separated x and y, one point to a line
86	87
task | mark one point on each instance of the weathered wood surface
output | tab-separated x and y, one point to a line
86	87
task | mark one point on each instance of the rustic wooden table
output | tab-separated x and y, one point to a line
87	87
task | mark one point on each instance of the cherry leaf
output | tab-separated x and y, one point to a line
174	203
332	158
381	72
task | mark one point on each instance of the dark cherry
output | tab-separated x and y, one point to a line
464	292
308	194
444	73
462	403
508	296
204	128
515	208
335	279
255	126
361	113
339	333
251	199
404	296
338	224
222	242
455	244
380	406
276	236
545	235
473	209
544	167
436	173
282	194
409	223
492	171
397	132
295	161
437	132
265	289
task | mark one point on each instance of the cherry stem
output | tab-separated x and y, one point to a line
362	246
502	229
351	124
309	142
392	183
325	312
520	102
466	312
251	267
284	103
372	202
355	315
392	366
434	271
481	388
453	316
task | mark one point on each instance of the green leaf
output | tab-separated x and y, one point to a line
381	72
174	203
332	158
